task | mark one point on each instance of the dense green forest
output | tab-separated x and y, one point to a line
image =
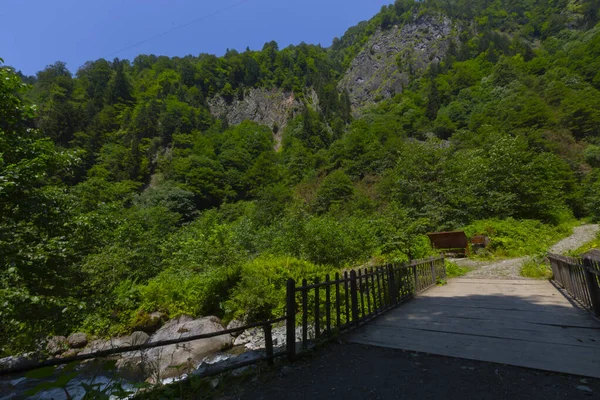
121	194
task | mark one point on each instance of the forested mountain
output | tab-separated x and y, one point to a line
198	185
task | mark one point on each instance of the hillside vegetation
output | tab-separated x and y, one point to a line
121	193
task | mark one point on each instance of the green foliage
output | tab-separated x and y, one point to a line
514	238
261	292
536	267
454	270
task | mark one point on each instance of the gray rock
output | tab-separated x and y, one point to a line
136	338
71	353
174	360
375	73
234	325
273	108
585	389
57	345
254	338
18	361
77	340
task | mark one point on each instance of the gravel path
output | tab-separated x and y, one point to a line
352	371
511	269
581	235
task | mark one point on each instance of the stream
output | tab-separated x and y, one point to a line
97	376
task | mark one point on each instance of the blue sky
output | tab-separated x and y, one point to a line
35	33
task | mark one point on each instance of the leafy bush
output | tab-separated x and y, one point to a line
515	238
261	292
536	267
454	270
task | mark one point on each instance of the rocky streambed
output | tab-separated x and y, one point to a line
158	365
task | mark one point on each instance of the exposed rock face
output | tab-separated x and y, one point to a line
272	107
393	57
77	340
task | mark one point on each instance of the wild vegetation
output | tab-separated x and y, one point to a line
121	194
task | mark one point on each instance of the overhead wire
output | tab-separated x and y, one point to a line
204	17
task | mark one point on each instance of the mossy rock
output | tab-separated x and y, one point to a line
149	323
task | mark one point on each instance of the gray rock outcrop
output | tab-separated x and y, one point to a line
273	108
391	58
77	340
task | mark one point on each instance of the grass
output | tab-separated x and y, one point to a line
454	270
536	267
594	244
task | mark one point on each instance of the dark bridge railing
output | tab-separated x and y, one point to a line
580	278
324	308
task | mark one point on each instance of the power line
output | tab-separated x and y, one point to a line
231	7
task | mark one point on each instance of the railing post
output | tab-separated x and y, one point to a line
354	296
304	315
291	320
445	273
392	285
592	283
433	274
416	274
268	342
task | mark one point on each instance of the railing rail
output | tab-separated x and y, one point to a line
580	278
349	300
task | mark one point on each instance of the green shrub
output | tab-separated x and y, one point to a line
536	267
261	292
515	238
454	270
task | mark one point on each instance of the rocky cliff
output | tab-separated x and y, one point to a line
392	58
273	108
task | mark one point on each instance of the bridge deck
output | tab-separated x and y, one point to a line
524	323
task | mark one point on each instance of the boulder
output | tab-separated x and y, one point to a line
174	360
18	361
57	345
71	353
77	340
236	323
150	323
136	338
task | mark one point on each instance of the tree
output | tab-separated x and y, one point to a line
119	88
34	254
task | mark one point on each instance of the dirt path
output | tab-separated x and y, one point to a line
511	269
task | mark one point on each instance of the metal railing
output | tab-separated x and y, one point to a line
580	278
322	308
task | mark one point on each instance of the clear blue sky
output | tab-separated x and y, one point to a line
35	33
